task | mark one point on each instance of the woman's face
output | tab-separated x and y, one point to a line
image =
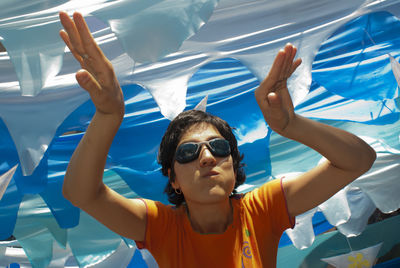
207	179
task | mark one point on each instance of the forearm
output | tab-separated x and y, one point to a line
348	157
341	148
83	178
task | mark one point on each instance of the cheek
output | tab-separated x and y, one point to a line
226	163
184	171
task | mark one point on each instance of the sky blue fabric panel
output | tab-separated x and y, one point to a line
142	134
282	152
34	183
77	121
168	24
230	86
137	261
9	206
61	150
14	8
100	242
148	185
358	53
40	58
334	243
9	155
44	227
320	225
136	145
64	212
323	104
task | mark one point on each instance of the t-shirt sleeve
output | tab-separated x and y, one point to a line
268	203
159	218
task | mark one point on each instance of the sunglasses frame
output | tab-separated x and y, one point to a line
199	145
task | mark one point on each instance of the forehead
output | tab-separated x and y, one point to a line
200	132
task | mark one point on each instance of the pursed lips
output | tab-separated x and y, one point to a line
211	173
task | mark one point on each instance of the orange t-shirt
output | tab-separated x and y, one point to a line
259	219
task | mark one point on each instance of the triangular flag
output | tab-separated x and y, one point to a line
395	69
201	106
5	180
363	258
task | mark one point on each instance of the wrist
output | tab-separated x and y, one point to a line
111	120
294	128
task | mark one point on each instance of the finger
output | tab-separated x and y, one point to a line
88	82
88	42
75	43
291	58
83	61
295	64
291	63
66	40
276	68
286	64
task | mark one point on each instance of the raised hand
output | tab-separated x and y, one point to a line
97	74
273	96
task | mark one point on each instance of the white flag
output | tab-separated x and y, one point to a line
201	106
395	69
363	258
5	180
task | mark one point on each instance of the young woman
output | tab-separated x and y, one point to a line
209	226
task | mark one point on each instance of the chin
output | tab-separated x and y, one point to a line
219	193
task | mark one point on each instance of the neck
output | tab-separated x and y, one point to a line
211	218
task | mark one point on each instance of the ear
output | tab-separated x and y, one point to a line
174	183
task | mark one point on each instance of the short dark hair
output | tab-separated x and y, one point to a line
178	126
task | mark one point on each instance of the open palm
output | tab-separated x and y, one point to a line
273	96
97	75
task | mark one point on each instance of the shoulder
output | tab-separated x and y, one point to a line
156	210
268	198
270	189
269	202
161	219
157	205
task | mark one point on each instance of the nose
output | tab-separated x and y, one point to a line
206	157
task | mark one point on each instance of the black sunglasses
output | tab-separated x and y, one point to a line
189	151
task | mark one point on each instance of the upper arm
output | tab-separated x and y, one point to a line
315	186
126	217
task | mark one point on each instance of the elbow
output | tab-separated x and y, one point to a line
372	157
73	199
67	195
65	192
79	196
368	158
70	195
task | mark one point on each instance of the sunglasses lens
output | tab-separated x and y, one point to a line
220	147
186	152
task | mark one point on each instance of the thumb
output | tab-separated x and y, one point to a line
274	100
87	81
